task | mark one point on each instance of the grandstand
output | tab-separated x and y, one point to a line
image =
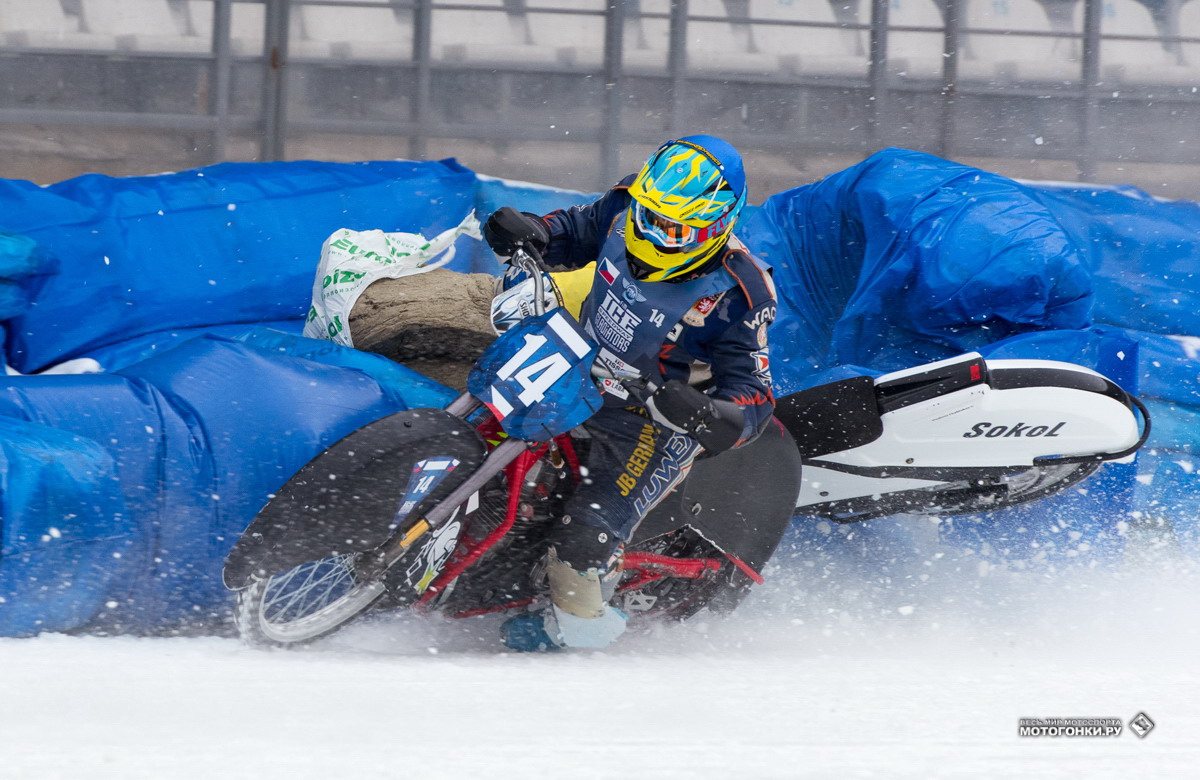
574	91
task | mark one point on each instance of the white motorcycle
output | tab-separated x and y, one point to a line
958	436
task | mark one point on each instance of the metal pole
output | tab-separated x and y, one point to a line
950	47
677	66
275	44
222	76
423	88
877	75
610	144
1090	118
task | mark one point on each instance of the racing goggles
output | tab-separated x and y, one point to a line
672	236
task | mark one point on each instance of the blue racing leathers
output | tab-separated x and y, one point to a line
714	322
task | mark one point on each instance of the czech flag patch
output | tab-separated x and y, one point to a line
608	272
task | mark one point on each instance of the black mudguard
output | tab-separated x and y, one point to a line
741	500
345	499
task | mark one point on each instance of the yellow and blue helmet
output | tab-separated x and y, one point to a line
686	200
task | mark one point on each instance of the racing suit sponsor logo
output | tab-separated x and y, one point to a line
678	454
615	323
762	365
762	335
632	294
991	431
638	460
699	313
764	316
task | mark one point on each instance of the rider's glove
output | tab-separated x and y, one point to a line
715	423
508	228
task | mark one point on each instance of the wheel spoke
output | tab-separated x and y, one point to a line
320	583
305	602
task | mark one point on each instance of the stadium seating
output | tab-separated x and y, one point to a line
1138	62
498	35
647	41
354	32
573	39
916	55
246	25
1189	25
808	50
44	25
140	25
1012	56
723	45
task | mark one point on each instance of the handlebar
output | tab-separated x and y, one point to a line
530	261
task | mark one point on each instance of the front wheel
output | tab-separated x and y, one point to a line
303	603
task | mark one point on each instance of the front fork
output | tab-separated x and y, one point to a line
375	563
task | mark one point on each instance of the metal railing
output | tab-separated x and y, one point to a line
877	94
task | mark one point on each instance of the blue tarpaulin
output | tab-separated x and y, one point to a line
120	493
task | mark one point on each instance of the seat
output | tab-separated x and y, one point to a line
916	55
357	32
1138	62
1013	56
576	40
500	36
245	27
140	25
723	46
43	25
808	50
1189	26
647	41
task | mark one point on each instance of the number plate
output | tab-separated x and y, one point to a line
536	378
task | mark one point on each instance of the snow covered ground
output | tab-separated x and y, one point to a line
822	673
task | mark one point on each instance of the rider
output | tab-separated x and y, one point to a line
675	295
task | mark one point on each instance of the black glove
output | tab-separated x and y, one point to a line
715	423
508	229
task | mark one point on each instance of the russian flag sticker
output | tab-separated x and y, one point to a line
608	272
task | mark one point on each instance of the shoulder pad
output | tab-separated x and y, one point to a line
753	277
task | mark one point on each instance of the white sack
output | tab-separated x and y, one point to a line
351	260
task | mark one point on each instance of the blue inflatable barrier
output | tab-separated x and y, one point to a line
179	452
230	243
906	258
120	493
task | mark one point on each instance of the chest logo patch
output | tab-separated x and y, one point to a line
608	272
632	293
699	313
615	323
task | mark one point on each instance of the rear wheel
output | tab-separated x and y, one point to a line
679	598
304	603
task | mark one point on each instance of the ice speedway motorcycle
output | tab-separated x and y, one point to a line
446	510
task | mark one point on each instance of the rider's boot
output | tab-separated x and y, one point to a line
579	614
